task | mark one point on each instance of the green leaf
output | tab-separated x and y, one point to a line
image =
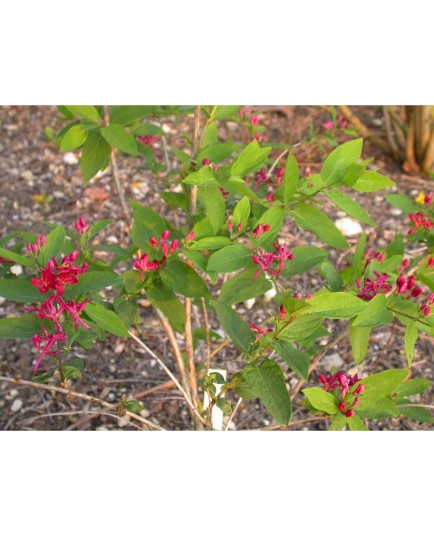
337	422
381	409
74	138
359	339
214	203
223	112
204	176
416	413
126	308
240	186
355	424
333	278
290	178
146	223
241	213
297	361
321	400
380	385
212	242
146	129
338	161
15	257
300	329
268	382
350	207
20	291
217	152
235	327
106	319
55	243
229	259
125	115
403	203
176	200
371	181
164	299
89	113
90	282
95	156
133	406
312	219
42	378
243	287
410	338
357	267
117	136
374	314
251	158
413	387
224	405
336	305
305	258
22	327
183	279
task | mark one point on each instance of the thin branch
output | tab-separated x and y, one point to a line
73	394
171	376
115	173
238	404
207	337
272	168
175	348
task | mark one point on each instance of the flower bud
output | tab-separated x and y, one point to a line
165	235
230	226
342	406
401	280
417	291
411	281
239	227
190	236
153	241
349	413
356	402
298	295
282	312
206	162
359	390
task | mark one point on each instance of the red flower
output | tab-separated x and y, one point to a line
260	331
145	265
44	343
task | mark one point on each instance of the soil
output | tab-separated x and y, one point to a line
40	184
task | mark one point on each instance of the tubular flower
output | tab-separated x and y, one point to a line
44	343
143	264
81	226
344	382
420	220
260	331
372	287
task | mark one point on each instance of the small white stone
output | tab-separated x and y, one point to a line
70	159
348	226
395	211
248	304
101	429
333	360
16	269
27	175
145	413
112	239
123	421
2	300
269	295
13	393
17	404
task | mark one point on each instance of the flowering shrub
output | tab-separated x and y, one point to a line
227	250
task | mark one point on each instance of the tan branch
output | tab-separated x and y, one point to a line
363	130
18	381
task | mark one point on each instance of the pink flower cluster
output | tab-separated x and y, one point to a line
81	226
262	178
144	264
40	243
372	287
340	123
56	276
371	255
344	382
266	259
420	221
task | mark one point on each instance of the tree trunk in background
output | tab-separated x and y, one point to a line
409	132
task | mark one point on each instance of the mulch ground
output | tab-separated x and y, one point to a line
40	184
